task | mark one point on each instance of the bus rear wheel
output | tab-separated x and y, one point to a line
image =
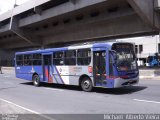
86	84
36	80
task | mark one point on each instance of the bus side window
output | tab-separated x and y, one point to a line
83	56
58	58
19	60
28	60
37	59
70	57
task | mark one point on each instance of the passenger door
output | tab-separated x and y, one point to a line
99	68
47	68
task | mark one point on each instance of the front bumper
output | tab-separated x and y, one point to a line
120	82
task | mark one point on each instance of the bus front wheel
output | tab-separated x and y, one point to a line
36	80
86	84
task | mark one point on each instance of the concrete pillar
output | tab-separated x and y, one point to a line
145	9
7	57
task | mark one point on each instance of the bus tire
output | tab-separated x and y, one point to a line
86	84
36	80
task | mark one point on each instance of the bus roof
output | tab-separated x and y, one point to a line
89	45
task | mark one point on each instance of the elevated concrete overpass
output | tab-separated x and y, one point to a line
46	23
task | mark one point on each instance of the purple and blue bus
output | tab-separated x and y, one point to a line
107	65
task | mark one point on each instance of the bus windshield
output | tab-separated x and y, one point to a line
126	59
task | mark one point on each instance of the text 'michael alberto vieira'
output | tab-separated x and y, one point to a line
131	116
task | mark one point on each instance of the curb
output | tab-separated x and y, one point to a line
150	77
141	77
8	68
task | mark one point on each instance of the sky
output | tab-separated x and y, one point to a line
6	5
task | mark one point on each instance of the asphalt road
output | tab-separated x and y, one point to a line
21	96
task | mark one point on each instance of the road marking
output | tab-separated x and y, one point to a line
29	110
54	89
147	101
10	83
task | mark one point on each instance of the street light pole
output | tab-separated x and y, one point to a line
15	3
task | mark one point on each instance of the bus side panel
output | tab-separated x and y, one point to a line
76	72
61	74
26	72
24	76
70	75
39	71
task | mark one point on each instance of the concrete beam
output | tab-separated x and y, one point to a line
9	40
38	10
16	44
73	1
28	5
101	30
104	16
31	4
58	10
4	28
157	5
25	35
1	24
145	9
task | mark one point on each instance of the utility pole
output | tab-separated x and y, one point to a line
15	4
157	44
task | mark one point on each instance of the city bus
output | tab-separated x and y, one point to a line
106	65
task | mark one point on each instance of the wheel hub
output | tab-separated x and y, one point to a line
86	84
36	81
